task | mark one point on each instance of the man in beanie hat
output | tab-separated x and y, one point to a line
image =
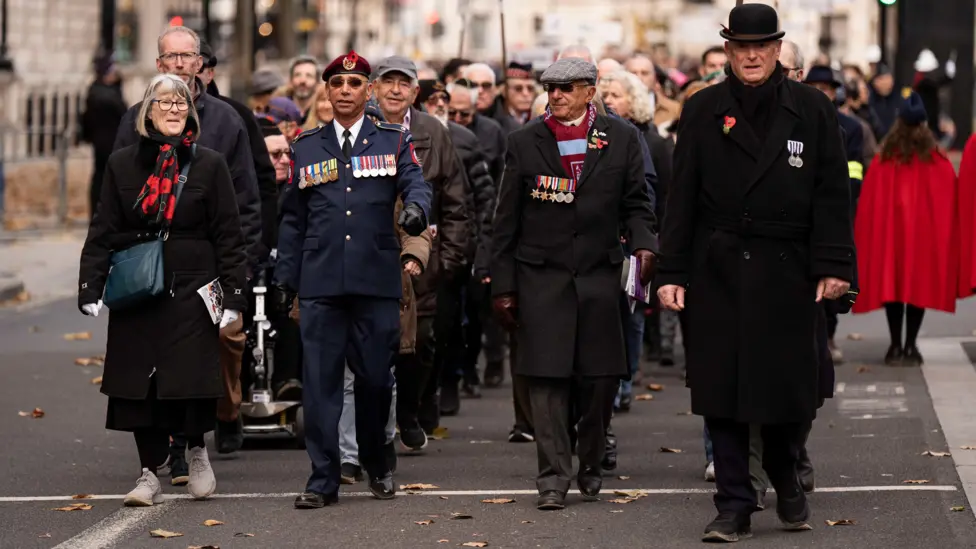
758	233
345	270
573	185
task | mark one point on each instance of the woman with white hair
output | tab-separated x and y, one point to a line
168	207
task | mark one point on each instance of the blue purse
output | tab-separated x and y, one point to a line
136	274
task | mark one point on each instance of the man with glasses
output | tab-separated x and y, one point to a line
339	253
572	180
222	130
512	105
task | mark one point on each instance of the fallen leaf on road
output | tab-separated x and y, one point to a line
443	541
854	336
165	534
655	387
475	544
670	450
915	482
440	433
44	536
460	516
443	497
645	396
23	413
528	522
498	500
622	500
957	509
81	496
96	380
967	447
841	522
930	453
243	535
418	487
203	547
634	494
212	522
82	362
622	477
863	369
423	522
77	336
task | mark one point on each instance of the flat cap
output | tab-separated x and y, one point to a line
396	63
265	81
350	63
569	69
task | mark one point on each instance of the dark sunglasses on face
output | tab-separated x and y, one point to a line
565	88
463	114
352	82
276	155
483	85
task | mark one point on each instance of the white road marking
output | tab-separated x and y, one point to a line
500	492
872	388
900	390
115	528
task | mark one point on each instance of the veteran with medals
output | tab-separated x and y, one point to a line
757	234
573	181
340	254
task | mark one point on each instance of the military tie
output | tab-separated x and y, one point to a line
347	144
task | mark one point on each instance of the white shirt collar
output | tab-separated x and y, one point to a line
576	122
354	130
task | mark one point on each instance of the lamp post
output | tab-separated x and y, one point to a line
6	64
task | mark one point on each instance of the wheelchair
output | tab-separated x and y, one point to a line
261	415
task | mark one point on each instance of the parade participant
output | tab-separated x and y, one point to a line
461	109
512	106
927	83
161	369
750	256
908	232
344	269
284	112
303	81
222	130
104	109
556	269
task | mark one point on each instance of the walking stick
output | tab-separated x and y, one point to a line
501	16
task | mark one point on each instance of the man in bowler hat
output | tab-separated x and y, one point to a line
757	235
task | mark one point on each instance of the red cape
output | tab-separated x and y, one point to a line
907	235
967	220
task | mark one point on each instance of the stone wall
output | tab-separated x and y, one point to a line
32	195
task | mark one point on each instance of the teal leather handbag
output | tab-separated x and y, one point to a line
136	274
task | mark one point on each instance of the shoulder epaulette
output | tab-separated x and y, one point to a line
306	133
391	126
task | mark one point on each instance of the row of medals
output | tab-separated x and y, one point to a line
374	166
795	161
553	196
328	171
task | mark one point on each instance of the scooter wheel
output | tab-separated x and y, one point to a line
300	427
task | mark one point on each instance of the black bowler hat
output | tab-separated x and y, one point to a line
752	23
821	74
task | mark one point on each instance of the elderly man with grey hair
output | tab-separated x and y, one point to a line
573	181
792	60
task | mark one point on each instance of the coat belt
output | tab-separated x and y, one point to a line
749	227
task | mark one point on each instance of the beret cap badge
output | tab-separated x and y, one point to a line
349	63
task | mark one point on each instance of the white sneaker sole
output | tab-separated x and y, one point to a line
135	501
209	492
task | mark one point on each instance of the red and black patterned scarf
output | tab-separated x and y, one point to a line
157	201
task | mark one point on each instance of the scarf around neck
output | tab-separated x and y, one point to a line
157	201
571	140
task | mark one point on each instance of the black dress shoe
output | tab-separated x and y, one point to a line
728	528
551	500
229	435
471	390
494	374
412	437
589	481
894	355
383	487
626	400
450	399
315	500
912	356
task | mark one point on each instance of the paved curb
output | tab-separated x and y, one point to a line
10	288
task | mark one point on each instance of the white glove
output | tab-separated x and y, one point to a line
229	317
950	68
92	309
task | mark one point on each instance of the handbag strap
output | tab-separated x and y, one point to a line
180	181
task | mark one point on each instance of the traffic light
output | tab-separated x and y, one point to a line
888	2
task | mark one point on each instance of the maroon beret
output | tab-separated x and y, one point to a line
350	63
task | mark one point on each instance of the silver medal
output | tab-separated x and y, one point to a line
792	161
560	197
796	149
798	163
568	198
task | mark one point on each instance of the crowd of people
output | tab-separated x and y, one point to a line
413	224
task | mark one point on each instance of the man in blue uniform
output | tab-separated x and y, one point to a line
339	252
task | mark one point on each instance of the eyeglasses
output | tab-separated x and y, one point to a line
519	88
487	86
167	104
352	82
453	113
788	70
277	154
186	57
565	88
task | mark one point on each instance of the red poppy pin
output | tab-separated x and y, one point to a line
729	123
596	142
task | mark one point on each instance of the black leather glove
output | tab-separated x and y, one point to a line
412	219
506	311
282	300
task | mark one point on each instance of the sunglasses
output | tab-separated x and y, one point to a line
459	114
565	88
352	82
276	155
487	86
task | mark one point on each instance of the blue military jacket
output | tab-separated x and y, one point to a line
337	233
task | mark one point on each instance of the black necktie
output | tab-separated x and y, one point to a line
346	143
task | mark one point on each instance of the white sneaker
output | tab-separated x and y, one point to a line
146	493
202	483
710	472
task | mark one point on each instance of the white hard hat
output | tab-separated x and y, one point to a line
926	61
873	54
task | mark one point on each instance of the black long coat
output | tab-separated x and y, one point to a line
173	333
564	260
750	236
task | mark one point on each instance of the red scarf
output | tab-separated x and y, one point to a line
156	201
571	141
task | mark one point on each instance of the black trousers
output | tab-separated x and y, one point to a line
780	450
450	356
413	375
559	404
477	308
520	392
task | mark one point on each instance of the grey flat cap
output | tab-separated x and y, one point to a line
569	69
265	81
396	63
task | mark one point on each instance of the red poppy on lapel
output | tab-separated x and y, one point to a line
729	123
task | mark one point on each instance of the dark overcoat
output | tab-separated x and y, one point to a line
564	260
749	235
172	334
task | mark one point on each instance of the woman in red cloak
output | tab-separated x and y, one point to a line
907	231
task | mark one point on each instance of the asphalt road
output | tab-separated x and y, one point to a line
862	463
